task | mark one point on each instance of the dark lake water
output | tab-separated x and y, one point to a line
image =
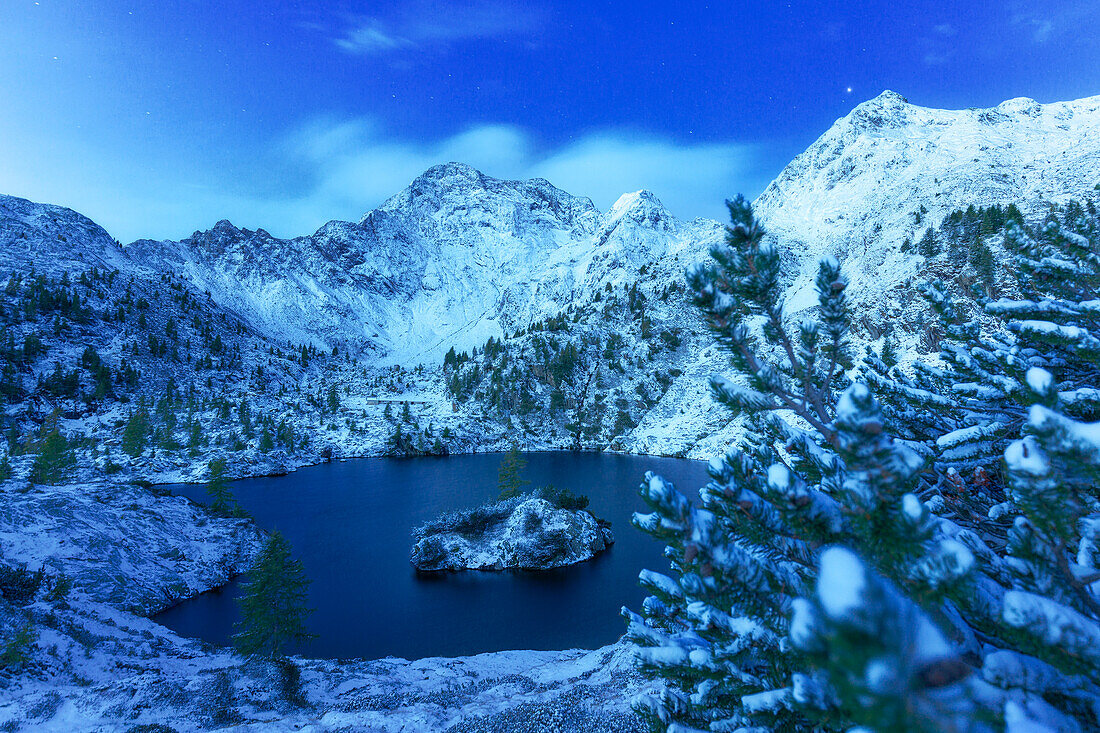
350	524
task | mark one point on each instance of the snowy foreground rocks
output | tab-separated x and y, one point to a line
122	544
526	533
106	670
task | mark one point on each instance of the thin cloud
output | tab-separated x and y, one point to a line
365	167
372	39
420	25
1040	29
937	47
1055	19
937	58
335	168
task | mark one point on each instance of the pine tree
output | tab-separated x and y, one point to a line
510	480
814	590
928	246
889	355
217	487
267	442
981	257
964	410
719	632
399	443
134	435
273	607
53	460
16	651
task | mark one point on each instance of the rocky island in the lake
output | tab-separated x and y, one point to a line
528	532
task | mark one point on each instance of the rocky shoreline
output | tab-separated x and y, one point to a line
98	663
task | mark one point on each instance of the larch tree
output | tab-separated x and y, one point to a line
510	479
217	487
273	607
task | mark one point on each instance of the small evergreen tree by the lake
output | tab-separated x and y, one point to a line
510	479
399	443
273	608
221	499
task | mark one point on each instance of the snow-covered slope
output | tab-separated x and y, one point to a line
51	239
453	259
855	192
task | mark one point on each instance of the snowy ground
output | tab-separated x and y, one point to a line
101	669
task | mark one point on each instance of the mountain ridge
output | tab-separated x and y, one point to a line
433	266
458	256
858	191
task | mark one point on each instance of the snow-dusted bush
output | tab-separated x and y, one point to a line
469	522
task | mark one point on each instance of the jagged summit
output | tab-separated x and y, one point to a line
446	175
444	170
458	186
640	208
888	109
223	225
886	100
638	200
1020	105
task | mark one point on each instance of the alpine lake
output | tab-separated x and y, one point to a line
350	523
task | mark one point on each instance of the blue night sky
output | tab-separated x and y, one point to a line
159	117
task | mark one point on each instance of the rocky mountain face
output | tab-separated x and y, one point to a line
453	259
889	169
459	257
52	239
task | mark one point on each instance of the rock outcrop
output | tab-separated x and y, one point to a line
531	534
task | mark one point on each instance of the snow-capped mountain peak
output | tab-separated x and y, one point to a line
889	169
641	206
455	257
